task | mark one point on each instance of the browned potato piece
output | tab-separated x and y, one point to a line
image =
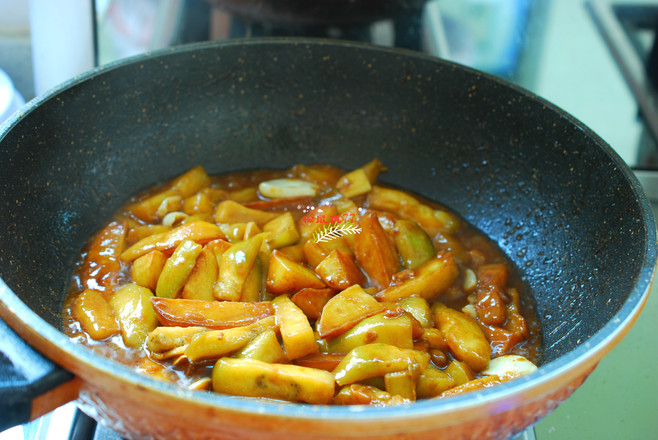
433	382
198	203
101	268
210	314
201	281
164	339
377	360
147	209
193	180
199	232
214	344
357	394
146	269
296	332
283	231
264	347
229	211
431	280
133	310
463	336
321	361
234	268
287	275
401	383
381	328
475	384
95	315
177	269
354	183
312	301
374	252
406	206
339	270
253	378
345	310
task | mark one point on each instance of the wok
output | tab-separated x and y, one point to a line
557	200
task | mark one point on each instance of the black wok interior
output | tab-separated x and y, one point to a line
526	174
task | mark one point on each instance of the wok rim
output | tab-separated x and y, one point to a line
553	372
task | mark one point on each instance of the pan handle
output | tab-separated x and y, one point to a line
30	384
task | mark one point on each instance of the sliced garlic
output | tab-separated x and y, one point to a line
172	203
470	280
509	366
469	309
285	188
173	218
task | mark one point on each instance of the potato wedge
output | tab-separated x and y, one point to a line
253	378
147	209
431	280
229	211
460	372
146	269
353	184
198	203
377	360
200	284
401	383
199	232
419	309
95	315
287	275
345	310
214	344
408	207
234	268
283	231
358	394
264	347
164	339
374	252
211	314
133	310
412	243
312	301
473	385
193	180
380	328
296	332
433	382
101	269
177	269
463	336
339	271
321	361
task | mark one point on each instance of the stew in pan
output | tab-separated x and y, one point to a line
307	285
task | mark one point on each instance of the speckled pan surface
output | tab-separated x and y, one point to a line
558	201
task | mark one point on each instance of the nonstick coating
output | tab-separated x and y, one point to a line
558	201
